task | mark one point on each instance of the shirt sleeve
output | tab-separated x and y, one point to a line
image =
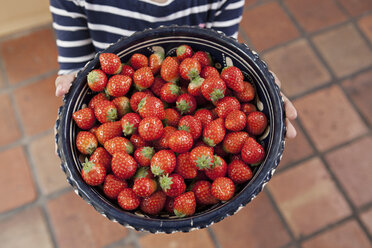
75	47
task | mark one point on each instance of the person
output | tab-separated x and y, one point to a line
85	27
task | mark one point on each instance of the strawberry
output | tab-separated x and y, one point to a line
209	71
128	200
235	120
123	165
233	142
110	63
214	132
86	142
156	86
183	52
172	117
189	68
202	191
204	116
223	188
118	144
194	87
233	78
96	99
192	125
172	185
185	204
113	186
184	167
143	172
169	204
186	104
143	155
155	61
105	111
154	203
169	70
138	61
204	58
218	150
122	105
202	157
94	129
180	141
150	128
127	70
218	169
151	106
130	123
93	173
163	141
252	152
169	92
108	131
247	94
163	162
97	80
248	108
213	88
226	105
143	78
144	187
118	85
135	99
256	123
239	172
101	156
84	118
138	141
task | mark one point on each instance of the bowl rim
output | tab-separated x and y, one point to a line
204	219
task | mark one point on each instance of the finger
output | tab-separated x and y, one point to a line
291	130
277	81
290	110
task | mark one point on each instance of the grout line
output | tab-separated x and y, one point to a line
50	226
213	237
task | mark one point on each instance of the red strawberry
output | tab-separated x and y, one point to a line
150	128
143	78
163	162
194	87
186	104
138	141
256	123
202	191
204	116
204	58
169	204
185	204
154	203
155	61
214	132
105	111
128	200
173	185
233	142
213	88
144	187
123	165
93	130
96	99
209	71
118	85
247	94
172	117
202	157
252	152
227	105
122	105
169	70
184	167
86	142
169	92
163	141
113	186
192	125
218	169
156	86
180	141
97	80
189	68
248	108
233	78
127	70
151	106
183	52
93	173
84	118
239	172
135	99
138	61
143	155
110	63
130	123
218	150
235	120
108	131
101	156
143	172
118	144
223	188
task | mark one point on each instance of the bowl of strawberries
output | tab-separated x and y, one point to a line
171	129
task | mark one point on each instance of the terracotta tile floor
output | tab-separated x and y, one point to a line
319	197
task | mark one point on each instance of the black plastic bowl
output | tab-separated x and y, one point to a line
225	51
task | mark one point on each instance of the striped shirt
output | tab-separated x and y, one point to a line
84	27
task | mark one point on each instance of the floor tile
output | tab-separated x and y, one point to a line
344	50
2	80
367	220
297	67
252	225
28	55
313	15
267	25
77	224
9	131
308	198
365	24
38	105
326	114
197	238
352	166
16	183
49	173
25	229
347	235
356	7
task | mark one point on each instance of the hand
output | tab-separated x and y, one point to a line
63	83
